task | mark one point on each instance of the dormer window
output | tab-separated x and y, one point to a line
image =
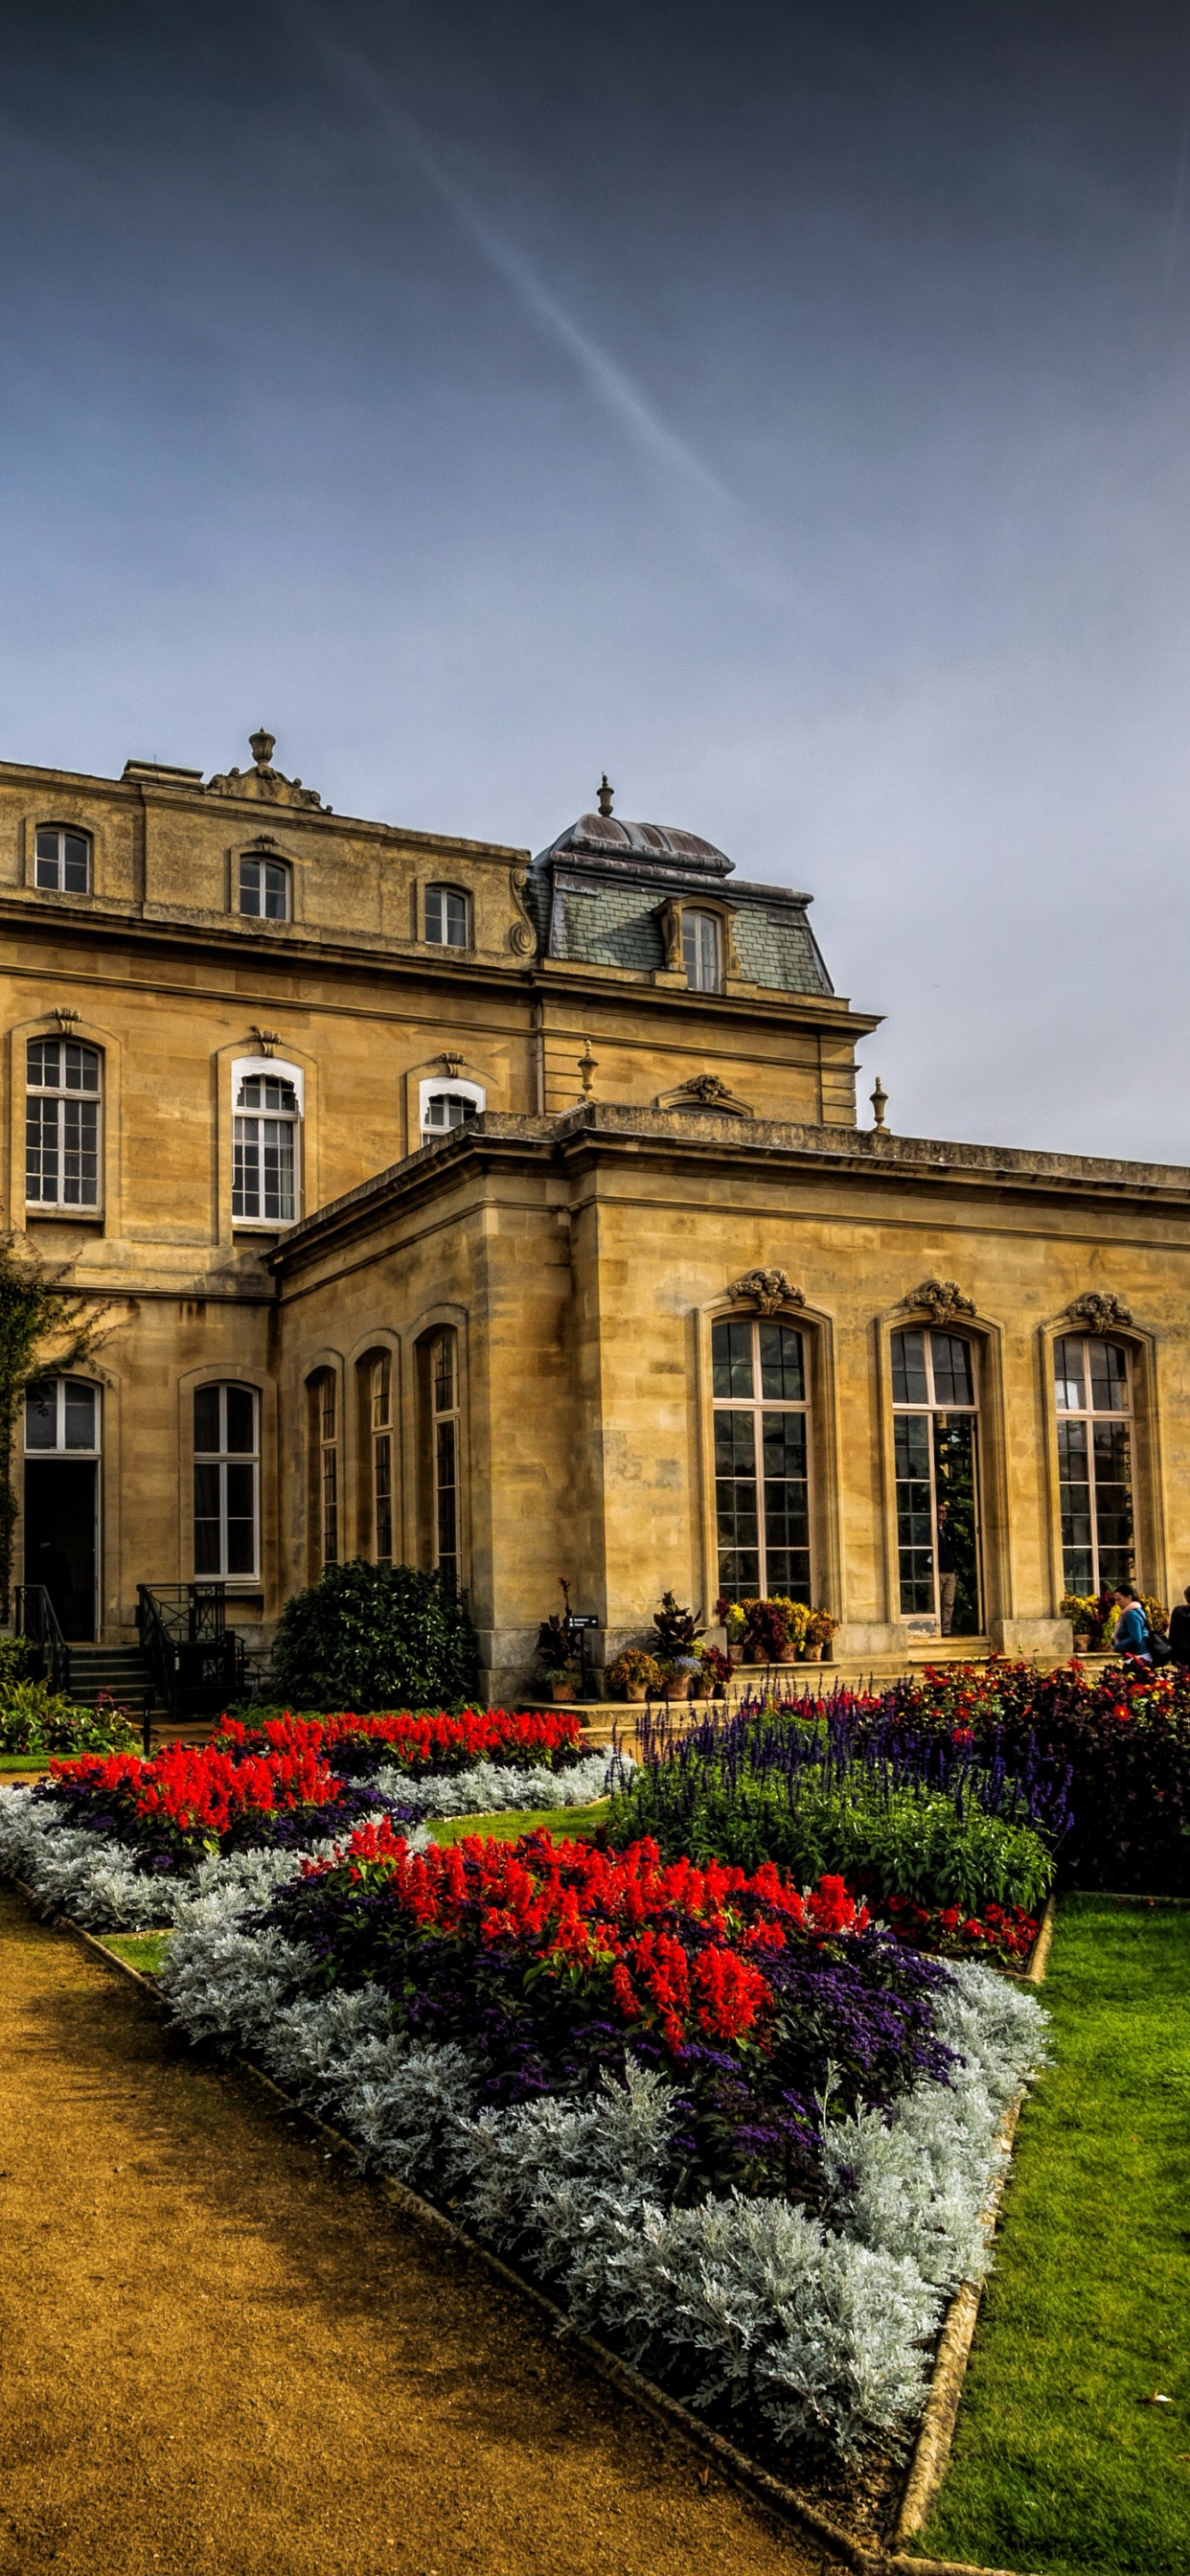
264	889
701	951
63	863
448	922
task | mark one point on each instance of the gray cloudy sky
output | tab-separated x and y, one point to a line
784	406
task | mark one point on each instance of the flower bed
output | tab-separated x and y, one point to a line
418	1741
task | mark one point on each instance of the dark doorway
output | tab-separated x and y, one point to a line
60	1537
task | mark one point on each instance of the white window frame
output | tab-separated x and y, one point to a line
64	832
263	859
435	939
60	1449
443	1086
707	929
247	1068
928	1409
222	1459
63	1095
1123	1415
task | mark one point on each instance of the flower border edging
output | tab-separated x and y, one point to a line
738	2469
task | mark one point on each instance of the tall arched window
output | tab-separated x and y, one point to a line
447	917
264	889
380	1410
62	864
62	1123
323	1399
1093	1395
936	1457
226	1481
701	951
266	1133
762	1459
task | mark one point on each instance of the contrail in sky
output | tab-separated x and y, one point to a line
725	525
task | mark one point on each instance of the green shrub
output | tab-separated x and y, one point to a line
16	1657
36	1720
903	1843
375	1637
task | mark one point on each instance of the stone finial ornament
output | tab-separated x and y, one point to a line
263	782
879	1100
1099	1310
606	793
943	1299
767	1289
588	1065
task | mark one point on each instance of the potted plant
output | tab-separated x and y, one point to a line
797	1620
677	1633
1082	1610
767	1638
715	1668
557	1661
633	1674
731	1615
820	1629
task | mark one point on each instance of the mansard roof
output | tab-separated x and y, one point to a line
600	892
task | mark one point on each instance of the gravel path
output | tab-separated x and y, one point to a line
219	2354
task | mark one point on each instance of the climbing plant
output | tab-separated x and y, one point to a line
42	1328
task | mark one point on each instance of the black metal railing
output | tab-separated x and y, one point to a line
198	1663
37	1620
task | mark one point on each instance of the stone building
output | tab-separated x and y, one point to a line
512	1215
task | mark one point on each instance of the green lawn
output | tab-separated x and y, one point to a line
566	1824
143	1950
1060	2465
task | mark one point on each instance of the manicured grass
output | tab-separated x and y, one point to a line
566	1824
143	1950
1060	2465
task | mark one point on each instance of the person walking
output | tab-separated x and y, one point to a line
1132	1627
1179	1630
948	1569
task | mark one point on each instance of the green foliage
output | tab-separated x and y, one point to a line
897	1843
563	1824
42	1327
36	1720
1061	2460
16	1658
371	1637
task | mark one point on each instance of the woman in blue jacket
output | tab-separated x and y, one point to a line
1132	1626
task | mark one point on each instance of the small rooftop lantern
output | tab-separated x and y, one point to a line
606	793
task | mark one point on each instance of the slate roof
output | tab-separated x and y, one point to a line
597	896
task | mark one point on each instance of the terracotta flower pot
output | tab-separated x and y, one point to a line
561	1690
735	1655
788	1655
636	1690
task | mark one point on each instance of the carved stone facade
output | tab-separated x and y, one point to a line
1099	1311
767	1290
941	1300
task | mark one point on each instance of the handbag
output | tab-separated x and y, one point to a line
1158	1648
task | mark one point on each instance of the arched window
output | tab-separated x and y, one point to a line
447	917
1093	1395
62	862
380	1414
442	1383
62	1123
264	888
323	1398
266	1163
701	951
936	1463
762	1460
61	1495
226	1482
448	1103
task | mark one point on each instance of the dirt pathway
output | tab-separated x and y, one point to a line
219	2354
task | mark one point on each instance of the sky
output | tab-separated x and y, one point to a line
785	408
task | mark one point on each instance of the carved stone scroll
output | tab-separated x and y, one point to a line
1099	1310
768	1289
943	1299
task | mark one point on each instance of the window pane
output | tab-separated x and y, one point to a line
446	1109
41	1149
241	1418
41	1415
909	1369
700	951
381	1391
276	891
80	1067
278	1168
915	1524
382	1498
75	855
455	915
731	1358
206	1419
245	1176
80	1415
1069	1383
44	1061
326	1405
446	1500
207	1552
250	885
80	1153
782	1373
786	1504
444	1373
434	912
48	863
1109	1378
737	1517
954	1376
241	1520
